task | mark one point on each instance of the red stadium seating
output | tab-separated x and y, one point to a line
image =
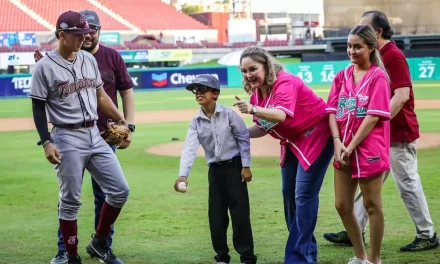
4	49
137	46
182	45
244	44
28	48
152	15
51	10
13	19
116	46
215	45
45	46
275	43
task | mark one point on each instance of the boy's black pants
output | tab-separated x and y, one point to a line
227	191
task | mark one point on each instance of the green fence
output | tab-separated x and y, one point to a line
324	72
312	73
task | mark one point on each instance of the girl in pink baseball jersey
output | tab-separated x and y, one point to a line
359	116
284	107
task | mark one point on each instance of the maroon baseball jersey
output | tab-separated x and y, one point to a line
115	76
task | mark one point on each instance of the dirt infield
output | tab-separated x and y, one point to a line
150	117
265	146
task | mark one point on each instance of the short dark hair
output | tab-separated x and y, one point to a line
380	20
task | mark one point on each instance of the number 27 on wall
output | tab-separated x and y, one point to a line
426	71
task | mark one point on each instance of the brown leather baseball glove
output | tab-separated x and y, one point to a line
115	134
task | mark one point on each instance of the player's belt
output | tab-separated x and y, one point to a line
224	162
76	126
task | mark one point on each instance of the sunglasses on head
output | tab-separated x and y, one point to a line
201	88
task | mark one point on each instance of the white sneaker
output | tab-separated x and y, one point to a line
222	263
356	260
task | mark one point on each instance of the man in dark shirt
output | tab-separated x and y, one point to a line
116	78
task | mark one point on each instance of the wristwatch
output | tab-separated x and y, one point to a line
254	110
131	127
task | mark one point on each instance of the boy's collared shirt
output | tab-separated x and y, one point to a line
222	137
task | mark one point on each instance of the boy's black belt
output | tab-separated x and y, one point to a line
224	162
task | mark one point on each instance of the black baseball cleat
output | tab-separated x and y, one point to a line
98	248
341	238
421	244
73	259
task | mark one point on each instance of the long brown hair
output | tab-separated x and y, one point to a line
271	65
368	34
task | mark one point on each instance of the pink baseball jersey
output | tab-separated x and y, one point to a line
351	103
305	130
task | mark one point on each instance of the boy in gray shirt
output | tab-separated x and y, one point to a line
225	140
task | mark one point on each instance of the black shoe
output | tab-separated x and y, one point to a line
60	258
98	248
341	238
73	259
421	244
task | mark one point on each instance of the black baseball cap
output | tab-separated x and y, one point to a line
74	23
206	80
91	17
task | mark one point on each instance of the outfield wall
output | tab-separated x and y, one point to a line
313	73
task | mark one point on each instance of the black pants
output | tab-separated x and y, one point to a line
227	191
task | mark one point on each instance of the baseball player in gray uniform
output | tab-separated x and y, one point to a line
66	90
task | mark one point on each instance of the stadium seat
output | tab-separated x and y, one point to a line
152	15
13	19
51	10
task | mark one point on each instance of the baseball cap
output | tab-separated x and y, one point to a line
204	79
91	17
73	22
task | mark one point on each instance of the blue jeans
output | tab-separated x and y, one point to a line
99	202
301	201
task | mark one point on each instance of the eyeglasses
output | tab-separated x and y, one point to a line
202	89
94	28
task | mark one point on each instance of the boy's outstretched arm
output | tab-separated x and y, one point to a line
189	151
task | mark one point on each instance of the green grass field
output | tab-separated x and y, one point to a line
158	225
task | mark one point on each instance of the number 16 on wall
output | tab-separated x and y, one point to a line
327	76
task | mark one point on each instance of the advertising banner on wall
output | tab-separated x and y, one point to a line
425	68
16	58
19	85
136	78
170	55
23	38
110	38
181	77
317	72
134	55
156	55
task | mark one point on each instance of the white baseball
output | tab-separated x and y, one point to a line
181	186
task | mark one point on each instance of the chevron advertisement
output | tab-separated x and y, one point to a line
181	77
